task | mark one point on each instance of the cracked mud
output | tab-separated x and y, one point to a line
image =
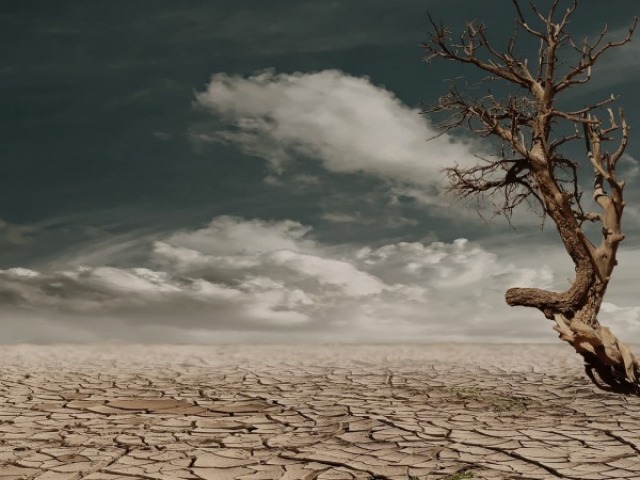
310	412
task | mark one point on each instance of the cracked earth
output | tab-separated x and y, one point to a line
310	412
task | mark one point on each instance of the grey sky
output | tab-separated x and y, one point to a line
257	170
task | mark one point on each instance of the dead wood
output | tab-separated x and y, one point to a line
534	169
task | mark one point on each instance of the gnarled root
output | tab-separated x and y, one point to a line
603	353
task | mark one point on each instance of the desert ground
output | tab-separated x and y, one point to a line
327	412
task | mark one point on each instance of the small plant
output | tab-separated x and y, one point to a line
460	475
456	476
500	403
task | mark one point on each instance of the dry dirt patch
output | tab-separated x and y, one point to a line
310	412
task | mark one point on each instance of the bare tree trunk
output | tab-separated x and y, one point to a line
575	311
532	168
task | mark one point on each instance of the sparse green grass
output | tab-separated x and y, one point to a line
500	403
460	475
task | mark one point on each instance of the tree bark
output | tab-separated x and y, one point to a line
532	168
575	311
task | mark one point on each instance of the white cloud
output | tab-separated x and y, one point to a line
224	283
350	126
447	266
230	235
625	319
347	123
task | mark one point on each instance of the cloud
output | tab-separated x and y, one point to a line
359	219
269	280
251	280
632	168
347	218
346	123
349	126
276	27
226	235
617	66
14	234
622	319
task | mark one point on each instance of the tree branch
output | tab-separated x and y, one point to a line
590	55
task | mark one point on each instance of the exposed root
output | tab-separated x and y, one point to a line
616	368
609	381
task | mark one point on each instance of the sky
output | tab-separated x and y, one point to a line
259	171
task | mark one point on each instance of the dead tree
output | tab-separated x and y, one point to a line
534	166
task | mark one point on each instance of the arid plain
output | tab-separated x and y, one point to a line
310	412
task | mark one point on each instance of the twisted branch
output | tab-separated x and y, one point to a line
532	169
